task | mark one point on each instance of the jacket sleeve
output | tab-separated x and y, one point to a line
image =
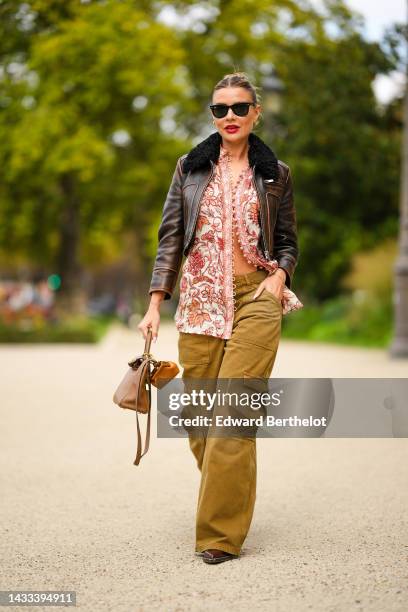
171	238
285	241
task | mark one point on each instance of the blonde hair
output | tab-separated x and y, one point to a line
239	79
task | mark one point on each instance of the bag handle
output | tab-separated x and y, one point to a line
148	341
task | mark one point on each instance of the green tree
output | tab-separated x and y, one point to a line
82	106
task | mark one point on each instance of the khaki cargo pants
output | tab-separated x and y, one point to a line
227	491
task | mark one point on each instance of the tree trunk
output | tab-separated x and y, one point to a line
70	296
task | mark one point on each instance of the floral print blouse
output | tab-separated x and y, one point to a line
206	304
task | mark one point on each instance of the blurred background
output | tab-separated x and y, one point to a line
97	101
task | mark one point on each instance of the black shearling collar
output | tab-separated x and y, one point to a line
258	153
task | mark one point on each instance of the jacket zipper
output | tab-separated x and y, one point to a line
266	252
198	206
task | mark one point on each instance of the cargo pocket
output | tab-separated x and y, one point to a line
193	349
255	382
194	357
258	368
258	389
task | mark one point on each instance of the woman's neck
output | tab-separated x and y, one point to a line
237	151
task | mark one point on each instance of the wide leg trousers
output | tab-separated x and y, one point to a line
228	467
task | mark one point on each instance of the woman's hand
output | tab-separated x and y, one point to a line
152	316
273	283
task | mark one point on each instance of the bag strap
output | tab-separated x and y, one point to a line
147	359
139	453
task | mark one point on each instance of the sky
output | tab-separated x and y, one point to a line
379	14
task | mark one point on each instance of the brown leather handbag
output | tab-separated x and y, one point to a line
135	393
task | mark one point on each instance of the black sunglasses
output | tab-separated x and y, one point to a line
239	108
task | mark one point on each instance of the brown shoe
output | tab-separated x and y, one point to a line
213	555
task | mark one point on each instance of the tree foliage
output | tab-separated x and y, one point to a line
99	98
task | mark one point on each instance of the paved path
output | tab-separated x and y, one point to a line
330	526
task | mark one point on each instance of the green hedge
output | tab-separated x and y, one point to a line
359	319
78	329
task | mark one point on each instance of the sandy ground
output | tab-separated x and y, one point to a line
330	529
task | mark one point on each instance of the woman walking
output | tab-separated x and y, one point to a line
230	211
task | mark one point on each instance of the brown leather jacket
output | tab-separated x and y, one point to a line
273	182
